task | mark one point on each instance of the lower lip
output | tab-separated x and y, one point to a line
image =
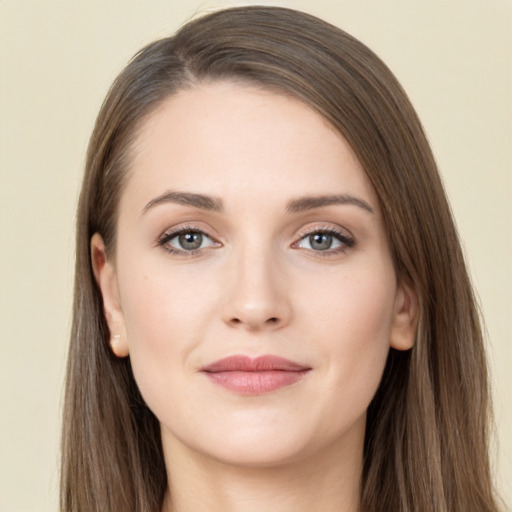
256	383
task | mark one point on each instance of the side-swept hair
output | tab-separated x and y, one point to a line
426	443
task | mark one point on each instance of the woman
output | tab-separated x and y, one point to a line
272	310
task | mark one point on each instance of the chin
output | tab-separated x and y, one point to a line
260	451
272	442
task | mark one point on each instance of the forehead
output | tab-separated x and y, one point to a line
228	139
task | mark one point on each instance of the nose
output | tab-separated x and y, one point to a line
257	297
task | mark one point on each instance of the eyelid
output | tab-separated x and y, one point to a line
169	234
342	235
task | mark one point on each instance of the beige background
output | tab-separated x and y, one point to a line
56	62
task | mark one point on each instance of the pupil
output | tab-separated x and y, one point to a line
320	241
191	240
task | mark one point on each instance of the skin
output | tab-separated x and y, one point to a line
256	286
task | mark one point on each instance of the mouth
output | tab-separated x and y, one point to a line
254	376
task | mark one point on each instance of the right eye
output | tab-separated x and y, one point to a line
186	241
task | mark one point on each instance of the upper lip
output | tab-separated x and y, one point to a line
242	363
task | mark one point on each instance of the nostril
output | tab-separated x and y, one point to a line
272	320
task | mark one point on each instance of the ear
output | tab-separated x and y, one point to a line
106	278
405	317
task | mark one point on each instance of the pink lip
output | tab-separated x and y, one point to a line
248	376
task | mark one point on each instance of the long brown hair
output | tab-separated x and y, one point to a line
426	444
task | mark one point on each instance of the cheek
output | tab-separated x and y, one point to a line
355	319
356	306
165	322
161	303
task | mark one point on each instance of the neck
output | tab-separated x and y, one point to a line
327	481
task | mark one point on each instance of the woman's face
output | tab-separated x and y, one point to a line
252	284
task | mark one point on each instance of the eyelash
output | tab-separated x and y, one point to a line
165	238
348	242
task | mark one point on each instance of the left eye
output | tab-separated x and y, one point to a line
189	241
324	241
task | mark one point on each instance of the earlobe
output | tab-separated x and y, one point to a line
106	278
118	346
405	319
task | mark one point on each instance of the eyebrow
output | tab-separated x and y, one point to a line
301	204
188	199
311	202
